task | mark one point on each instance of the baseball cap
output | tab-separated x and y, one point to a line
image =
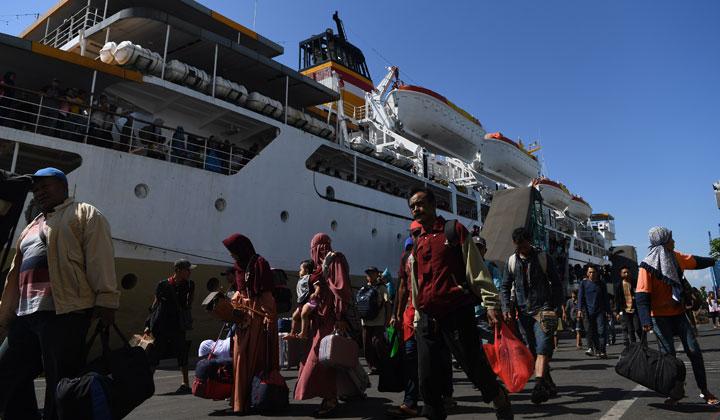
49	172
183	264
371	269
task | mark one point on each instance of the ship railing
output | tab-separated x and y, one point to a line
64	119
72	27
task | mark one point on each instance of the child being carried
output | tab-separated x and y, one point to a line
307	300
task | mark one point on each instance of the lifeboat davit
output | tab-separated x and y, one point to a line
430	120
509	159
553	193
579	208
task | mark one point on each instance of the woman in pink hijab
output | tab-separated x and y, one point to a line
314	379
255	343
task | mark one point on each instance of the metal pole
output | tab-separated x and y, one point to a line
230	160
355	169
82	42
16	151
92	97
167	38
47	26
204	156
238	41
287	89
107	34
105	9
37	120
215	70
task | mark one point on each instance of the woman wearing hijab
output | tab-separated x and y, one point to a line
332	313
255	344
661	300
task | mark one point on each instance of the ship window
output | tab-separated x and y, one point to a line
398	237
330	192
220	204
373	232
141	190
284	215
128	281
333	225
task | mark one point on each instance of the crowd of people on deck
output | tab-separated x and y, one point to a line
68	113
59	281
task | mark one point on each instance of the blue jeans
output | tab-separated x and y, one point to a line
595	325
537	340
666	328
410	363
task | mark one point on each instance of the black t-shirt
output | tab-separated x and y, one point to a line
174	306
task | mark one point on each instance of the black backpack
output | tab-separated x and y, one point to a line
367	302
281	292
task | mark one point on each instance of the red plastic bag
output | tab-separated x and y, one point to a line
510	359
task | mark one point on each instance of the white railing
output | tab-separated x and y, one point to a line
71	27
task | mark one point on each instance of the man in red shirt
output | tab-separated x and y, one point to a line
661	297
447	313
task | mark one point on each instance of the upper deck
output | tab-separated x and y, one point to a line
66	12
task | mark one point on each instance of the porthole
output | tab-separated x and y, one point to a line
333	226
141	190
398	237
128	281
220	204
330	192
213	284
284	215
373	232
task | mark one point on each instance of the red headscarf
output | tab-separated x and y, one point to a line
256	276
319	247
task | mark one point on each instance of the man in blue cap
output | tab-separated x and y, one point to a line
62	276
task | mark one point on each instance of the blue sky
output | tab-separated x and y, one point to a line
624	96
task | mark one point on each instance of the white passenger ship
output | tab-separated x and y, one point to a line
262	149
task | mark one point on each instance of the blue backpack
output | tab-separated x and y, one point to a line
367	303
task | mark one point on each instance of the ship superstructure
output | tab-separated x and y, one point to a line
178	124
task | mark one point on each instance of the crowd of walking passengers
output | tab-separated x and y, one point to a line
64	113
59	281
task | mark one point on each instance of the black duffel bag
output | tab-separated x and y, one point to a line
391	376
121	379
662	373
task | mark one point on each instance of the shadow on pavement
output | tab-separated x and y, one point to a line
685	408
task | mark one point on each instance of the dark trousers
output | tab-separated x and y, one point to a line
666	328
370	333
39	342
410	364
457	333
595	325
631	328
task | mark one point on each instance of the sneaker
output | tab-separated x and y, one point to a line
603	356
540	393
589	352
183	389
552	390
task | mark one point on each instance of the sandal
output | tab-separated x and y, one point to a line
402	411
325	410
710	399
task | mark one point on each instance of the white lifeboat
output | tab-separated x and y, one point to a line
383	154
504	157
430	120
553	193
359	144
579	208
